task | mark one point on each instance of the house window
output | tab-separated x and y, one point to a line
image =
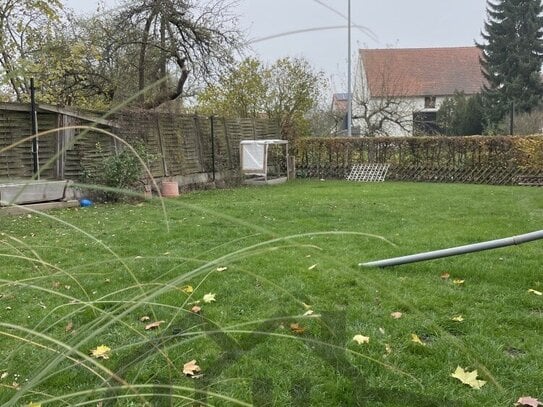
430	102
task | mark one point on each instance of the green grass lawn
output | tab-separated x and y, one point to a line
73	280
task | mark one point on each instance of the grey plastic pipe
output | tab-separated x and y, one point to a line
454	251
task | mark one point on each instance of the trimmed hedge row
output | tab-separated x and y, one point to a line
477	155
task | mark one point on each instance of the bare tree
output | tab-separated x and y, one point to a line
385	109
176	34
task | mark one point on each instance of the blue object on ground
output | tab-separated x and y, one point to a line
85	203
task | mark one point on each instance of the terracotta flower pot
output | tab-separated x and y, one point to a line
169	189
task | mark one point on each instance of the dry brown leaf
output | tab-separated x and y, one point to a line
191	368
196	309
445	275
153	325
297	328
527	401
396	315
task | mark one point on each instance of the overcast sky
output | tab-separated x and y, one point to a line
388	23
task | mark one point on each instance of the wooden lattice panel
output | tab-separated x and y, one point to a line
368	172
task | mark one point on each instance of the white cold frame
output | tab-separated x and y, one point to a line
254	159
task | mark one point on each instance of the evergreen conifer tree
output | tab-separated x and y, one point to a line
512	54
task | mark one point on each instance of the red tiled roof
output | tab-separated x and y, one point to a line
422	71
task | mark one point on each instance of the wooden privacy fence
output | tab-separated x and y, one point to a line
477	159
177	144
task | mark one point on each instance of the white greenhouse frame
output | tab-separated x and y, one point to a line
254	160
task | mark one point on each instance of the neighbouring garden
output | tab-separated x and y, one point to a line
254	296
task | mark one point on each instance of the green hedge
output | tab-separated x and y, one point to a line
517	152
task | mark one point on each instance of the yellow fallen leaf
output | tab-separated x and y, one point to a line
210	297
531	290
458	281
458	318
101	352
396	315
306	306
312	267
191	368
445	275
187	289
469	378
361	339
415	338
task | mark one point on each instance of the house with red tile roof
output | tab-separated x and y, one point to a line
397	92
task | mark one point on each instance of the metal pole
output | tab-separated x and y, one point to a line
512	118
349	93
453	251
212	148
34	120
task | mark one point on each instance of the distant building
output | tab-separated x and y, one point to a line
399	91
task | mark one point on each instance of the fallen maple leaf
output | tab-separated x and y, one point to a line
527	401
445	275
153	325
196	309
101	352
469	378
219	269
210	297
187	289
361	339
458	318
458	281
191	368
297	328
415	338
531	290
396	315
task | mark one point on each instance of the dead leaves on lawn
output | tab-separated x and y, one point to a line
528	401
469	378
101	352
192	369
